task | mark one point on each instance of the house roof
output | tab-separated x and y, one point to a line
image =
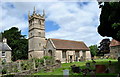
69	44
114	43
4	47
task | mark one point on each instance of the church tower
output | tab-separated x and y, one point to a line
36	40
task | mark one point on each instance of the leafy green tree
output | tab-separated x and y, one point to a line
93	50
104	46
110	20
17	42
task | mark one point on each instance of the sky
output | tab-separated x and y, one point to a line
63	20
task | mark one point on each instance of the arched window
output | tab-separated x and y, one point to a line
30	55
50	53
30	34
39	44
39	22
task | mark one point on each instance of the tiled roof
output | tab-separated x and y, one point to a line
68	44
4	47
114	43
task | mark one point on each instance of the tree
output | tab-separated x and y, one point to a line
110	20
93	50
104	46
17	42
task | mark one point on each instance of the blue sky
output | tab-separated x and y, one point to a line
64	20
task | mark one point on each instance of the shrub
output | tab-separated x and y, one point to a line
47	57
119	59
41	60
4	71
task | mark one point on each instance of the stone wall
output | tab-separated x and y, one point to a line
115	52
83	55
28	67
7	56
88	55
35	54
50	46
58	55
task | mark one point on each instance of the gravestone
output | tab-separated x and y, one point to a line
92	73
75	69
110	62
100	68
19	66
44	62
66	73
87	65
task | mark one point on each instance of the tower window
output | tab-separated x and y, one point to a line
40	22
39	44
39	33
30	55
31	34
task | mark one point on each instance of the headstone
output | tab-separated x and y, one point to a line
66	73
75	69
19	65
34	64
44	62
110	62
92	74
87	65
118	75
100	68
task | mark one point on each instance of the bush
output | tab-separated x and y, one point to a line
4	71
41	60
119	59
47	57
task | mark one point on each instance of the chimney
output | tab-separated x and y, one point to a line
4	40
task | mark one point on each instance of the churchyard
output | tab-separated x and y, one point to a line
99	67
28	67
46	67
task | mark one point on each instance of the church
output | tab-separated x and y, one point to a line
63	50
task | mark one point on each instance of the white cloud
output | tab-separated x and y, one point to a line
76	22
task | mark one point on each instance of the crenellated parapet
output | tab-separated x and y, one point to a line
35	15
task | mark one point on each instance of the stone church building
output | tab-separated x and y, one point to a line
63	50
115	49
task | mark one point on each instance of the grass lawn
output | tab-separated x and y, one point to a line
59	71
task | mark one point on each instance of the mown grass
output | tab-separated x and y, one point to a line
59	71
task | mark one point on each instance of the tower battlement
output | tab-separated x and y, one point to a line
35	15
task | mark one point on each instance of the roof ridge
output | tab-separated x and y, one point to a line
66	40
